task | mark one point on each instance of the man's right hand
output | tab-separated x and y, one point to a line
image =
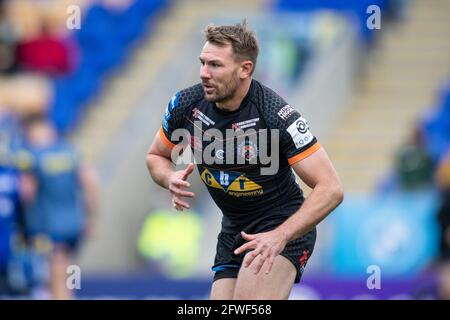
177	186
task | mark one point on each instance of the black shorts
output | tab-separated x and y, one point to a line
227	264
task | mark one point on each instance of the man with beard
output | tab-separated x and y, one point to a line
268	228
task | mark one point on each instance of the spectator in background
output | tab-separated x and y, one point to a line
23	96
7	44
37	30
63	199
45	53
29	95
413	165
398	9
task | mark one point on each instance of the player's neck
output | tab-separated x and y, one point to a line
235	102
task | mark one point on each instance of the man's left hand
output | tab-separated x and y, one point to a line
267	244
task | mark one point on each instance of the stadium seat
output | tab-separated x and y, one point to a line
356	8
101	51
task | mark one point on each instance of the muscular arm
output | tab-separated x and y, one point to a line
327	193
163	172
318	173
159	163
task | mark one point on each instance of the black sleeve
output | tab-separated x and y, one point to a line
296	140
176	111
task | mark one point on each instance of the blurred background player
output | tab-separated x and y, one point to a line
63	200
10	208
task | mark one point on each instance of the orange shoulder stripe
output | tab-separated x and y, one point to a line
164	139
304	154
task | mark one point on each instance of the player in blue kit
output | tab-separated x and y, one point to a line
10	142
9	215
64	199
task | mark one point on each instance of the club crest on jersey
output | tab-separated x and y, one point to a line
247	150
299	131
232	183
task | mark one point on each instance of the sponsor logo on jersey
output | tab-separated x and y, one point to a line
197	114
286	112
300	133
232	183
220	154
244	124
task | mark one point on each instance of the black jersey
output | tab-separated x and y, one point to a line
240	187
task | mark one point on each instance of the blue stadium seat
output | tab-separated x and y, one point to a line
357	7
103	41
63	107
436	129
132	24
